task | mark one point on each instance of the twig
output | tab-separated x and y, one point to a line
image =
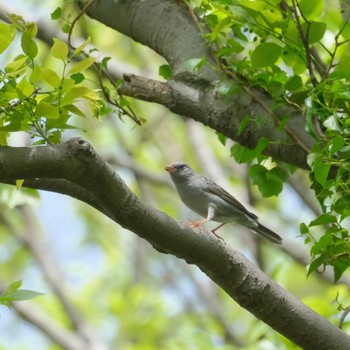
102	72
337	44
305	40
342	317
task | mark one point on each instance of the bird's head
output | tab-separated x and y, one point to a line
179	170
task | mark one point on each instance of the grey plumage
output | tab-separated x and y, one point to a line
211	201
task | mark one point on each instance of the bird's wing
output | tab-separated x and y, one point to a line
219	191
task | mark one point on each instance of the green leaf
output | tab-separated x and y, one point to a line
303	229
66	28
82	65
78	92
77	77
7	35
28	45
15	125
19	63
243	154
13	293
32	29
265	54
311	9
294	83
342	70
82	46
47	110
50	77
104	62
269	182
19	183
316	263
59	49
321	171
24	89
195	64
277	174
221	137
233	47
56	14
325	241
340	266
323	219
243	124
13	286
294	60
165	71
315	31
23	294
124	102
225	22
331	123
74	109
336	144
67	84
55	137
341	206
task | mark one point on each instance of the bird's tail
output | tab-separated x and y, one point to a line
268	234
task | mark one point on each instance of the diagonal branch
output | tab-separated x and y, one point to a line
78	163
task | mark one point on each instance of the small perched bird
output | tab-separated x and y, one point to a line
211	201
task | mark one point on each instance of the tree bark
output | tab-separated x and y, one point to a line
88	176
168	27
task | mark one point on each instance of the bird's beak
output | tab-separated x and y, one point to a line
170	169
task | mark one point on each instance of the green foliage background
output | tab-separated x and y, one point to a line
134	297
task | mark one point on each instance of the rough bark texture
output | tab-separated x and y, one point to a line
169	29
85	176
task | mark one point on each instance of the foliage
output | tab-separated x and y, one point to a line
14	293
36	98
282	48
257	41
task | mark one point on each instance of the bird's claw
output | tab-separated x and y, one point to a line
195	225
201	229
216	235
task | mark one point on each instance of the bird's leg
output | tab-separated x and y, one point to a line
215	229
209	217
198	224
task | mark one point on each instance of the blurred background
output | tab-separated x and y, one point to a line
105	288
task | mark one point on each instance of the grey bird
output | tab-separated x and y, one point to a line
212	202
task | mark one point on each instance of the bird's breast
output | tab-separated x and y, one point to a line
195	199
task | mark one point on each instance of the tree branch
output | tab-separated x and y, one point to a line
203	102
169	29
77	162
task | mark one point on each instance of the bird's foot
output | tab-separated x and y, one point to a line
201	229
216	235
195	225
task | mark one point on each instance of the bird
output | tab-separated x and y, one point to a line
209	200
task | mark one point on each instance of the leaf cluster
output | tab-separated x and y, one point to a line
14	293
296	52
36	98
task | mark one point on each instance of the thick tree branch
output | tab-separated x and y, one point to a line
77	162
169	29
203	102
165	26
